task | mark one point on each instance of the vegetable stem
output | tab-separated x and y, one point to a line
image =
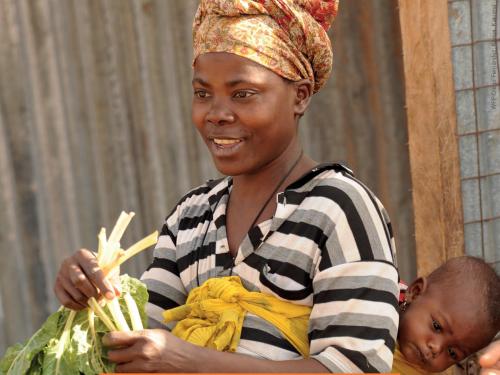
120	226
133	312
101	314
114	308
61	345
102	242
132	250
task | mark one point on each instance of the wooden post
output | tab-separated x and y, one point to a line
432	132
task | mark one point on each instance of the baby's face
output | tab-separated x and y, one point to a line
441	328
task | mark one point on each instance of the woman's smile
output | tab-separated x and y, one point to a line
225	147
225	142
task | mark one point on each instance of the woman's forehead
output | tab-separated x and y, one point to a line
230	66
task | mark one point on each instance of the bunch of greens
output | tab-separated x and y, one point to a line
69	342
72	346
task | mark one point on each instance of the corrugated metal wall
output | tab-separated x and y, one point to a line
95	119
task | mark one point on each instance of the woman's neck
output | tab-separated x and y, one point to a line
261	183
251	199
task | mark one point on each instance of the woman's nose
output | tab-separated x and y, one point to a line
220	113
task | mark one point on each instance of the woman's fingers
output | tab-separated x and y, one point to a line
79	280
124	355
490	372
491	356
65	299
490	360
66	292
149	350
73	292
88	263
127	351
116	339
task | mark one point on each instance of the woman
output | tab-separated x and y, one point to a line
311	240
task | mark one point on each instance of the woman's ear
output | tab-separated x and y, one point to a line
417	288
303	93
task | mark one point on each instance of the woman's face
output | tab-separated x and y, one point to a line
245	113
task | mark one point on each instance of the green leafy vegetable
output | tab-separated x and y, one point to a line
82	351
69	342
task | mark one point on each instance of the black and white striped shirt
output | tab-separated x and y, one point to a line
328	246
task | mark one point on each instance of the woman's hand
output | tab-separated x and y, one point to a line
157	350
150	350
490	360
80	278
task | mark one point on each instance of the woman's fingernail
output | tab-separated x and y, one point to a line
109	295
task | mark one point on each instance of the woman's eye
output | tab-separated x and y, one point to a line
200	94
243	94
453	354
436	325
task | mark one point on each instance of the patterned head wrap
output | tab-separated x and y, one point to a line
286	36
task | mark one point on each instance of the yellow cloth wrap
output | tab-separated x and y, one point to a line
401	366
214	312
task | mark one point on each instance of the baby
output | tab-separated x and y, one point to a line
447	316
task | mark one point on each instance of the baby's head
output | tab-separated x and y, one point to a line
452	313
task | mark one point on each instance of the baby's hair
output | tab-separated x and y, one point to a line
474	273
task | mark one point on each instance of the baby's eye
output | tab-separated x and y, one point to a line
453	354
436	325
243	94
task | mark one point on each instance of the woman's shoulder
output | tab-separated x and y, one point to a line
337	183
200	198
354	208
203	193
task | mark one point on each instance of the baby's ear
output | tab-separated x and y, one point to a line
416	289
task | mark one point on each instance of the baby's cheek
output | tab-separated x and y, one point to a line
408	352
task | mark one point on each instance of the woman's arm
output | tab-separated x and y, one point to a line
165	288
157	350
354	320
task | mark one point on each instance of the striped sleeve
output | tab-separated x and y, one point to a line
162	276
354	319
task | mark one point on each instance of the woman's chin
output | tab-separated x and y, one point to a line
228	168
235	166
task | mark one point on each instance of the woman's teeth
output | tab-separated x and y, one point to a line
219	141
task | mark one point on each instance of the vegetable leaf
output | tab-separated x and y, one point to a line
82	353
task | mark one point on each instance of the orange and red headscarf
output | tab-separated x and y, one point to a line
286	36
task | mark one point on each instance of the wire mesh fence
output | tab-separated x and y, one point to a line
475	43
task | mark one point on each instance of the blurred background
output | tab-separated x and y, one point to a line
95	118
